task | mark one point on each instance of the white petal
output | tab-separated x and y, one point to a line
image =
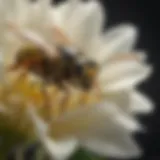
117	40
98	118
121	99
129	122
39	124
44	6
133	55
117	145
140	103
85	24
19	11
132	102
61	14
128	82
117	69
108	138
124	78
59	150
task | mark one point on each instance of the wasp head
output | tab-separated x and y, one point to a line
27	57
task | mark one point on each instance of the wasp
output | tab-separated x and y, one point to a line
56	65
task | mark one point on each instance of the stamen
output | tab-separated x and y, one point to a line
23	91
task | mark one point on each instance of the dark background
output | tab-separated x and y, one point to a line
143	14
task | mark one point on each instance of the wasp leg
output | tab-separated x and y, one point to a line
44	91
47	103
97	88
67	90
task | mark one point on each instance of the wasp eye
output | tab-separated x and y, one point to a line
66	54
71	50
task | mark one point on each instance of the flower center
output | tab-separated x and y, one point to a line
16	95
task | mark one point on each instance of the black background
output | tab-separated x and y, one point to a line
143	14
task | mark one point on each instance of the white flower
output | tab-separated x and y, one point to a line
104	127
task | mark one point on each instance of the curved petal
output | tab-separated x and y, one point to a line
85	24
131	102
133	55
18	10
118	144
44	6
23	10
61	14
101	117
116	69
59	150
124	75
127	82
121	99
140	103
117	40
108	138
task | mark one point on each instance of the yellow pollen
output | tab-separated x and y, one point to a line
16	95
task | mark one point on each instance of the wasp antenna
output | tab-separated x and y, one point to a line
60	37
63	40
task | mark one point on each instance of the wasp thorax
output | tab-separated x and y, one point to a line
29	53
27	56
